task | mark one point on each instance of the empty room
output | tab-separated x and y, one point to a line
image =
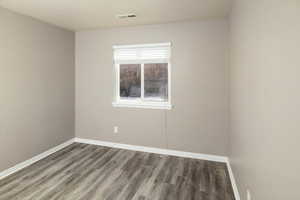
149	100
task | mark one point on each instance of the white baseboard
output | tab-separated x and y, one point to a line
233	183
26	163
155	150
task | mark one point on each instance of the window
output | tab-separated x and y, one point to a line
143	76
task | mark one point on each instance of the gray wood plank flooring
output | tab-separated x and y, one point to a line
89	172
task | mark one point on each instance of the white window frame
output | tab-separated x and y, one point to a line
141	102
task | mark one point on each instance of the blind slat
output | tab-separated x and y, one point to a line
140	52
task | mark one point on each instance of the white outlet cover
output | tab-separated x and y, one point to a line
248	195
116	129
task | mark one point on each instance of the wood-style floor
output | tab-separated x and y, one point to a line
88	172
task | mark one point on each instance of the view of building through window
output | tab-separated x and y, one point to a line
156	81
130	81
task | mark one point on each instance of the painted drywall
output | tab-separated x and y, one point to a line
199	120
265	98
36	87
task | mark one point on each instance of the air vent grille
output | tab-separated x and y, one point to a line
124	16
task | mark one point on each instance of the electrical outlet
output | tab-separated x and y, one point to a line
248	195
116	129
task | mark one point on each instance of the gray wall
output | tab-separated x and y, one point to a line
36	87
199	121
265	98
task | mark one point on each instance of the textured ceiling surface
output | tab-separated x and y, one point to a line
89	14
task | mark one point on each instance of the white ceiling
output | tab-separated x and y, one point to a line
89	14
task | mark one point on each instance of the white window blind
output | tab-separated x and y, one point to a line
138	53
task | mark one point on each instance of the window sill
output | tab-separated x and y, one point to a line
162	106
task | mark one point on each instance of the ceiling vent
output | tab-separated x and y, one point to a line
124	16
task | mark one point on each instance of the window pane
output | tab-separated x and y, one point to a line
130	81
156	81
